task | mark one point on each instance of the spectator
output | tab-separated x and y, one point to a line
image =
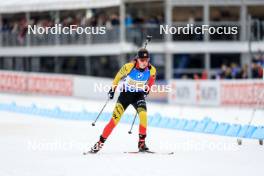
221	74
235	70
128	21
204	75
244	72
228	73
257	70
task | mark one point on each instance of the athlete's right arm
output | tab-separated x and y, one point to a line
124	71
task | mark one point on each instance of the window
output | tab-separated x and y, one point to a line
188	65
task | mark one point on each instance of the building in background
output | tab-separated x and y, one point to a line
127	22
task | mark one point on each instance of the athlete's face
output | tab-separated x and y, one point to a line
143	62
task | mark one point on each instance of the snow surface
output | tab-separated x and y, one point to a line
39	146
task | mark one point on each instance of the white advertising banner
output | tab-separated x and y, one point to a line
182	92
91	87
248	93
207	92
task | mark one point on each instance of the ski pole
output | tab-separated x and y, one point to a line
259	103
148	39
93	124
130	131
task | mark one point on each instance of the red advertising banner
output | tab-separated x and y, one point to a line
36	83
242	93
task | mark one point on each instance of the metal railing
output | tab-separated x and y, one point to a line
256	29
137	33
226	37
190	35
10	38
134	34
186	72
181	36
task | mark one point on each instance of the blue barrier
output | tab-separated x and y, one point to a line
173	123
222	129
211	127
201	125
150	118
205	125
155	120
181	124
246	131
163	122
258	133
191	125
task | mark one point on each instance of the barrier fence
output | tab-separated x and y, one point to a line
238	93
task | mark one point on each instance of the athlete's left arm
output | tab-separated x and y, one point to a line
152	77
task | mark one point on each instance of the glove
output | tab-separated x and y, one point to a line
111	93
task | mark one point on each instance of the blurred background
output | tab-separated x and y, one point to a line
128	22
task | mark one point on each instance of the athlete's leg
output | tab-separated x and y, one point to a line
121	105
142	113
117	114
140	106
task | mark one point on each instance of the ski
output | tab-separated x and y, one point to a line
150	152
137	152
89	152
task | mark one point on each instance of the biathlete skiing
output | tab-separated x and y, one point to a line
139	75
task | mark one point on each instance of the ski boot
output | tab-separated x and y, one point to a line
142	147
98	145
